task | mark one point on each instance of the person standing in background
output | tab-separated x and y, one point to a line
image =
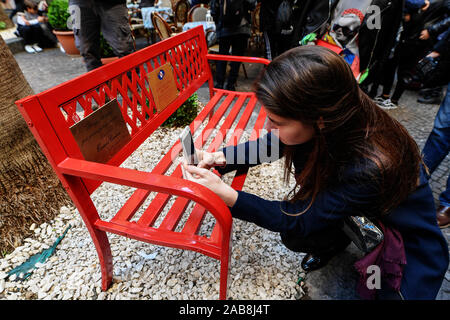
108	17
233	29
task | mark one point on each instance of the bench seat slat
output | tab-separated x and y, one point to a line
173	217
149	215
132	205
239	179
195	219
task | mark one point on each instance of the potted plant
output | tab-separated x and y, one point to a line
58	15
106	52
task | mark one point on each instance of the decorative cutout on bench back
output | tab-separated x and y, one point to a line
131	88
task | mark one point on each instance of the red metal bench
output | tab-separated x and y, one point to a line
51	113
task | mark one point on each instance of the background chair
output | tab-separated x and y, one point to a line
163	29
198	12
180	13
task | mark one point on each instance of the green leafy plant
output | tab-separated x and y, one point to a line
185	114
105	49
58	14
2	25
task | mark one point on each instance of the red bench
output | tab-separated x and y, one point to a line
50	115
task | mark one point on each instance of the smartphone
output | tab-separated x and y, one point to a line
188	147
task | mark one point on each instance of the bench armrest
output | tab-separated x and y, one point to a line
211	56
152	182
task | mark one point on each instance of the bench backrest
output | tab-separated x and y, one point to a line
50	114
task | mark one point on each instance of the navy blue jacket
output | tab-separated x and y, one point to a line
355	194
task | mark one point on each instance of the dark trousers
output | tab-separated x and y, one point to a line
276	44
323	242
408	56
34	33
110	20
238	45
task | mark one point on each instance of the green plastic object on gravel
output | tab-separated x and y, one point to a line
25	270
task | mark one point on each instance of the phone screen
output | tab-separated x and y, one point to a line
188	146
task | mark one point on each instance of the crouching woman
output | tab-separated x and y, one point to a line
349	158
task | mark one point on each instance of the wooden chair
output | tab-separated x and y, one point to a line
180	13
163	29
198	12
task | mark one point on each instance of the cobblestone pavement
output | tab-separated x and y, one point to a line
52	67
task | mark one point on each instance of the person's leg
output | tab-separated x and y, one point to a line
435	150
26	33
87	37
267	46
238	47
320	242
221	66
438	143
40	37
115	28
408	55
38	41
320	246
444	198
389	76
49	39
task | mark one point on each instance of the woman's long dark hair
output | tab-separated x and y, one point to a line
313	83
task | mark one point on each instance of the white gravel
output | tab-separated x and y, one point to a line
260	267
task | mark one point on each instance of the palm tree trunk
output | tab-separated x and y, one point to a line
4	17
29	189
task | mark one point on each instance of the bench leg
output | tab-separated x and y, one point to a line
101	243
224	266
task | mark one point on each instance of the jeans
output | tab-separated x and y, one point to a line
109	19
438	144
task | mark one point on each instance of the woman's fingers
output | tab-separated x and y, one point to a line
196	170
212	159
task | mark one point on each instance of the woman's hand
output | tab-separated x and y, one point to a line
208	160
211	181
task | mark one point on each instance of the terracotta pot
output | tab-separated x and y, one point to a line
109	60
67	40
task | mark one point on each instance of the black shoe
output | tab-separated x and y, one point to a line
426	91
430	99
313	262
230	87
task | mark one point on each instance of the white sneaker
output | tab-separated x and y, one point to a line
380	99
388	104
61	48
37	48
29	49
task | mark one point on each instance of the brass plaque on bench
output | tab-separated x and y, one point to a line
102	133
163	86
